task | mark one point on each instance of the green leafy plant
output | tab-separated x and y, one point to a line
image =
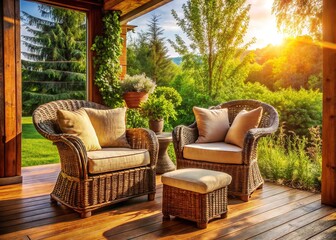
108	51
170	94
158	108
292	159
137	83
162	104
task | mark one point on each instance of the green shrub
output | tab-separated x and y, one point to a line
135	120
291	159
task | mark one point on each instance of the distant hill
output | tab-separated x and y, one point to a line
177	60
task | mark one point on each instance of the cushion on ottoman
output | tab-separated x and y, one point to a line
196	180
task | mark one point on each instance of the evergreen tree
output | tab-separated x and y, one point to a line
54	65
149	54
216	29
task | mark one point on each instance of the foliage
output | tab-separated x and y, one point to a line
108	51
36	150
215	53
161	104
191	96
299	60
297	65
299	110
54	63
150	55
137	83
135	119
158	108
292	160
170	94
296	16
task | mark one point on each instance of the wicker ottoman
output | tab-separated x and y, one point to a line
195	194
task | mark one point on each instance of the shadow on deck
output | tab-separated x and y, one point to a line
273	212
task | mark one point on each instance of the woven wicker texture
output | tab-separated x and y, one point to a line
246	177
194	206
75	187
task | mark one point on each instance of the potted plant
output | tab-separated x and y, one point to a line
161	106
136	89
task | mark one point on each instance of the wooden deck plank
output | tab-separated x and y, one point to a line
238	218
313	228
26	213
296	224
326	235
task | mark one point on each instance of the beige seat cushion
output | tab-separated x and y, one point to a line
196	180
110	126
78	123
218	152
212	124
244	121
114	159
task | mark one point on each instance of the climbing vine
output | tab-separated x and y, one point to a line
108	48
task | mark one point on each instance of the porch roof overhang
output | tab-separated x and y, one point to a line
131	9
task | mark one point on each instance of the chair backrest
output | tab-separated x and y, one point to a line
268	119
45	116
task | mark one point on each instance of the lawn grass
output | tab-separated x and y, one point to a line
36	150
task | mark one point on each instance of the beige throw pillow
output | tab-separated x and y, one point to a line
78	123
212	124
110	126
244	121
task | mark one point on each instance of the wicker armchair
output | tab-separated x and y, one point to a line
75	186
246	177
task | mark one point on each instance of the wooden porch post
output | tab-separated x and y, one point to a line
329	105
10	93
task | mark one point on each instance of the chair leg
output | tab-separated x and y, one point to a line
223	215
53	201
244	198
202	225
86	214
151	197
166	217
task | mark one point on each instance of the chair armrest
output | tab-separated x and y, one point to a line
73	155
183	135
141	138
251	142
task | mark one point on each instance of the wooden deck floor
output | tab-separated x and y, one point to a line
273	212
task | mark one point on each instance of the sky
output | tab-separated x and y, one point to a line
262	23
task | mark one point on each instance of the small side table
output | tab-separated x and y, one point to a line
164	163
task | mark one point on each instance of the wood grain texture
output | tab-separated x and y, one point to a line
18	81
131	9
11	91
26	213
329	106
2	99
94	28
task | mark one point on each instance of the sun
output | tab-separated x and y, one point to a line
276	39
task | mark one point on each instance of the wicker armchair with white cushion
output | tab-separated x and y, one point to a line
102	170
235	152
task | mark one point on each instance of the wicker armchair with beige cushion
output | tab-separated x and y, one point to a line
217	142
102	162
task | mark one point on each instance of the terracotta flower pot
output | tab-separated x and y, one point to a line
156	126
133	99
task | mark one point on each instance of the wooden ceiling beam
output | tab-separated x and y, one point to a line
110	4
81	5
143	9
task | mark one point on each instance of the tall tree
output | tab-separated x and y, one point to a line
54	63
149	54
297	16
216	29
